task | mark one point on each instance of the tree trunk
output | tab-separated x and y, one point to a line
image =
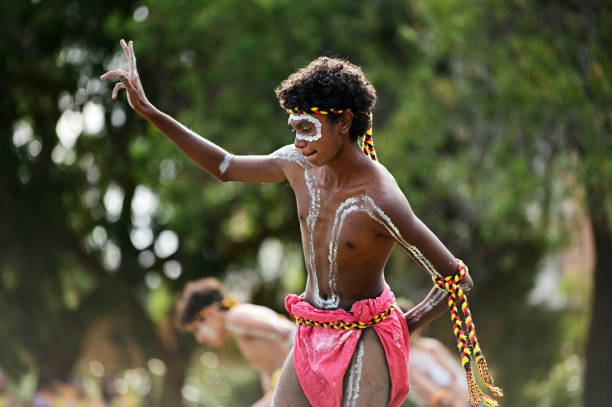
176	368
598	376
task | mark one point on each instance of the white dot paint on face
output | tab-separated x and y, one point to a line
352	392
225	163
297	117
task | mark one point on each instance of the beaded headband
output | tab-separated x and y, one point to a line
368	142
226	303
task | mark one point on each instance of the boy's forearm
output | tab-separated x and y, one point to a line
206	154
434	305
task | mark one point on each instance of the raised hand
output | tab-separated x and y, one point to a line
129	81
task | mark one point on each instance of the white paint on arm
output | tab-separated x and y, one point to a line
225	163
380	216
291	154
416	313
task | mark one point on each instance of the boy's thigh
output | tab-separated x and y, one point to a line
288	392
367	382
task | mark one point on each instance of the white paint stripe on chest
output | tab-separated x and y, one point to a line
290	153
311	222
343	210
413	250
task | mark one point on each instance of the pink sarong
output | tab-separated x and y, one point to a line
321	355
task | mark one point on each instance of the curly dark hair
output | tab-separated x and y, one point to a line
197	295
330	83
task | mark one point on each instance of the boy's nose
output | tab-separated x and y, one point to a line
299	143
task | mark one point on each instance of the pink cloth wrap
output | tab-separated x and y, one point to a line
322	355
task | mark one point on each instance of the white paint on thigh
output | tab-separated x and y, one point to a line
353	387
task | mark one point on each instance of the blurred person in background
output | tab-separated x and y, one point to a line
437	379
111	397
46	390
7	398
263	336
352	343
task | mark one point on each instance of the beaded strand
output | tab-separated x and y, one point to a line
456	296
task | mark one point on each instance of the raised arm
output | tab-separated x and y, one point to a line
260	322
209	156
427	250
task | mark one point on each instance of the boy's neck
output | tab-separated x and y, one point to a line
347	166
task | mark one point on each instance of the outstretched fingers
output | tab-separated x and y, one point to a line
119	73
117	88
132	59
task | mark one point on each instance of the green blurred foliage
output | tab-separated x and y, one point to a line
490	115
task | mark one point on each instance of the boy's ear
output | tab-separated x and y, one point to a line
345	122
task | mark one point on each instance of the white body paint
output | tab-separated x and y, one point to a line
365	204
292	154
311	222
313	120
417	313
225	163
362	203
352	391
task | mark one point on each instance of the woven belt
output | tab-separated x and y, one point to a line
348	325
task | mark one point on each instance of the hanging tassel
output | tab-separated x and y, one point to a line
456	296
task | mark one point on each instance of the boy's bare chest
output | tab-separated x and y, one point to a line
330	215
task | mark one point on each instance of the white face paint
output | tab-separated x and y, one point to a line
207	332
303	136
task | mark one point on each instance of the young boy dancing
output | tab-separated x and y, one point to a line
263	337
351	347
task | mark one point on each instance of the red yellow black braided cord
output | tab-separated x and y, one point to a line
348	325
457	298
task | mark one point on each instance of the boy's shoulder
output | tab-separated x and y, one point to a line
384	189
289	154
